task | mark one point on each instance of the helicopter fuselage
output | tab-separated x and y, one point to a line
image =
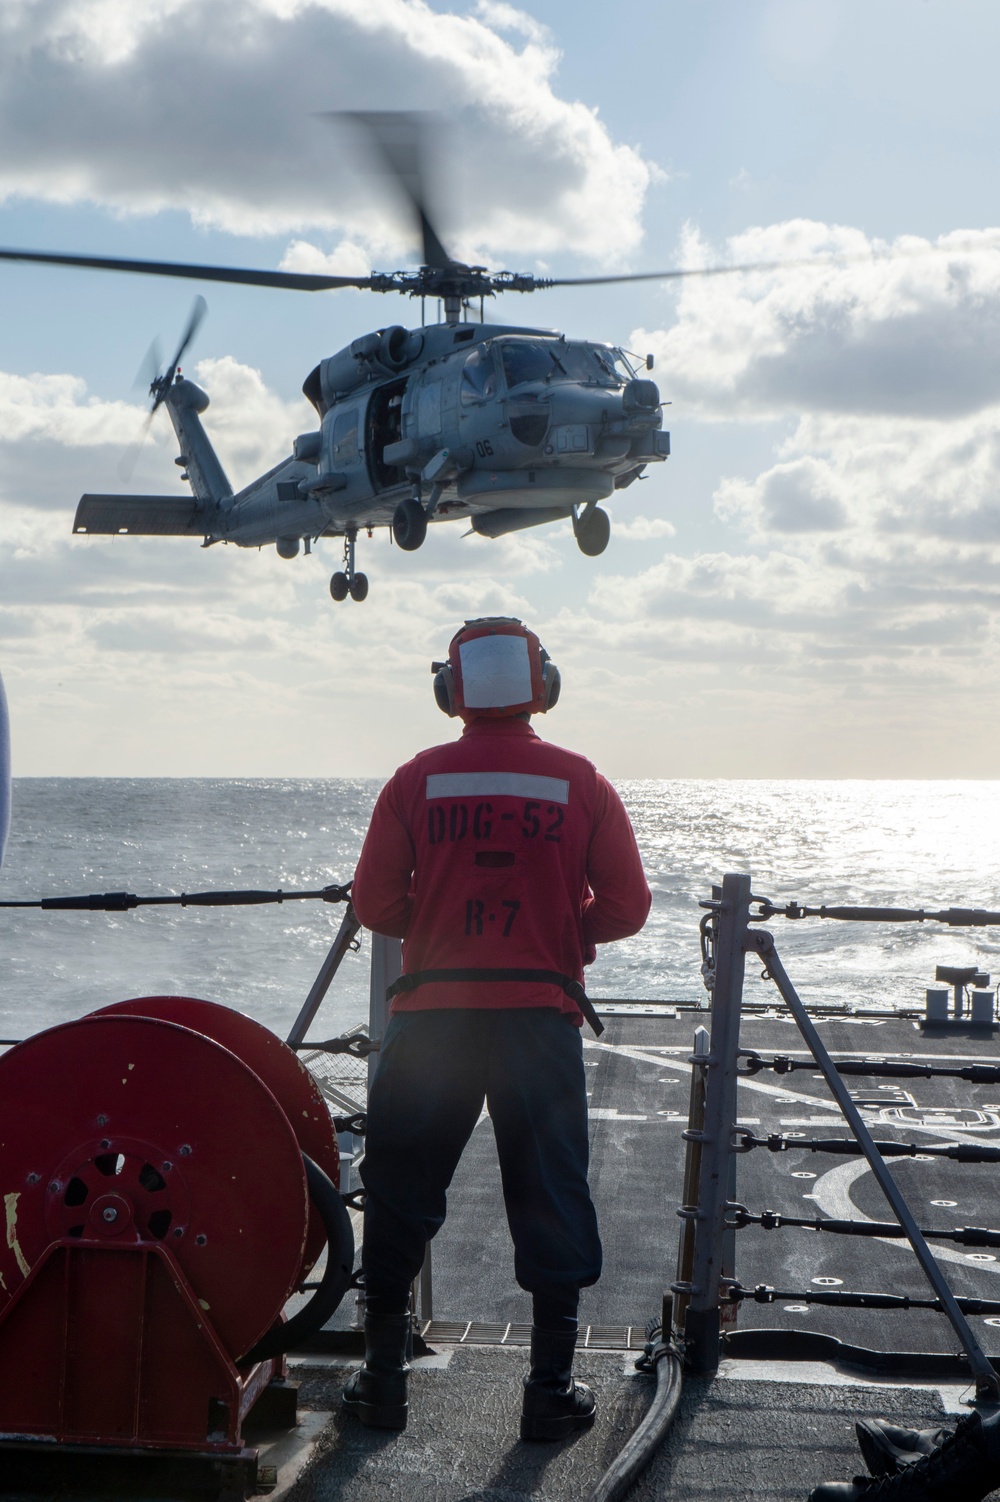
505	427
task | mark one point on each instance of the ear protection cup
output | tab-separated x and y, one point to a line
551	682
444	688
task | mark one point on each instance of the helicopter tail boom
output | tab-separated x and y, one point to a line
185	402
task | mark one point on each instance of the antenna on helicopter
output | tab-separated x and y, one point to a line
159	383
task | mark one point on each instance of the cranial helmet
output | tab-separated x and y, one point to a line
495	667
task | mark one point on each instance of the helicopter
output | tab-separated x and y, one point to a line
503	427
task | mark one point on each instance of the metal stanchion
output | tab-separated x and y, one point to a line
387	966
694	1136
346	935
702	1324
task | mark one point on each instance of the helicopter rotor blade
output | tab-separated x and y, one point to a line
162	384
198	310
678	273
399	140
130	458
150	367
296	281
861	259
159	383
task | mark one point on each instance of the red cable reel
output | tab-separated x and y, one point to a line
157	1220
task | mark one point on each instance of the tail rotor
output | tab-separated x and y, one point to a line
159	382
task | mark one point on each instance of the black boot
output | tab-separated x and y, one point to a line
378	1392
554	1405
959	1470
887	1448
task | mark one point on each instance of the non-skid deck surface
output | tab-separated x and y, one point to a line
732	1440
639	1077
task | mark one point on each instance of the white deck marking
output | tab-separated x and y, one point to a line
781	1092
832	1193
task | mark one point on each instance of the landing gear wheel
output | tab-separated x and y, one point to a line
409	525
339	586
359	587
593	531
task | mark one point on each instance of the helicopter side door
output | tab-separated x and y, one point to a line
384	426
343	449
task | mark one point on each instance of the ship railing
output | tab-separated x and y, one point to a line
706	1292
344	1065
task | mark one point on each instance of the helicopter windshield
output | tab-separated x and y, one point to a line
479	377
558	360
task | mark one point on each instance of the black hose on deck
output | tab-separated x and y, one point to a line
336	1278
648	1437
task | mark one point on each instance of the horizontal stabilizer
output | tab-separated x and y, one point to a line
139	516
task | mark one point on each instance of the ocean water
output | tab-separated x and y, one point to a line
919	844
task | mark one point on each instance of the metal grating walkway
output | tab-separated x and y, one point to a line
475	1333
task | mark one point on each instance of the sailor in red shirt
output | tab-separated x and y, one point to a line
500	861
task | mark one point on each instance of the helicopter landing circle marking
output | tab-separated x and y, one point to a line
832	1193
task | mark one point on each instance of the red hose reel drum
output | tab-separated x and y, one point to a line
274	1063
123	1129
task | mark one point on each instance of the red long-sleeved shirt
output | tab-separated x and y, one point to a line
499	851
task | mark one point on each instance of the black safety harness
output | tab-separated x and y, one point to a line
572	988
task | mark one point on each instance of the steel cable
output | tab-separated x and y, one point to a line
123	902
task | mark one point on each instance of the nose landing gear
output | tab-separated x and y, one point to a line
592	527
347	581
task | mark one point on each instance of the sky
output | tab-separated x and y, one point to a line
808	587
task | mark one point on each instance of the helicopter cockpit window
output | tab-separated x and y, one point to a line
345	437
479	377
613	364
559	360
524	360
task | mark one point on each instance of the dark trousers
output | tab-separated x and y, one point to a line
436	1069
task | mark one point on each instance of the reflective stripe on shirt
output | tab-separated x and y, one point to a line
497	785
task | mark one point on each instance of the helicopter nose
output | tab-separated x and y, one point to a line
640	396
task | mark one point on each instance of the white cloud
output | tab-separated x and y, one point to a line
500	16
249	425
644	528
876	481
867	551
910	327
57	407
212	114
49	426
